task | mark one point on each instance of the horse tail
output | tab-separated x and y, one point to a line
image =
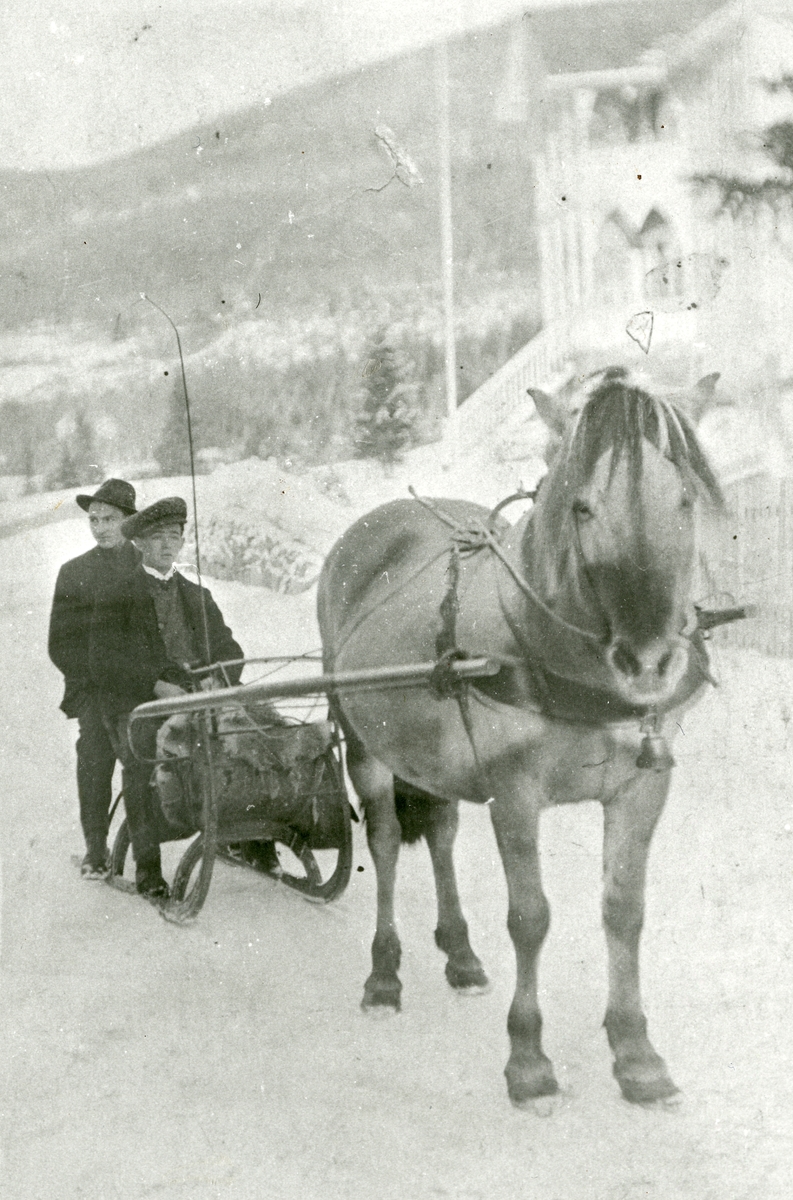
416	810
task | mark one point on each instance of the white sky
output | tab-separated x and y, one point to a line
84	80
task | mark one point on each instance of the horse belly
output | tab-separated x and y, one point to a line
425	741
421	739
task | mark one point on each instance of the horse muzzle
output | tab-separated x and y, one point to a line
649	674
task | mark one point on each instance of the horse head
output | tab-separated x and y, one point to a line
612	544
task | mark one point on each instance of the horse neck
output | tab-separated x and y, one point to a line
552	572
497	615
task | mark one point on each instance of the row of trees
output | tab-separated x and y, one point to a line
384	429
30	450
386	425
320	408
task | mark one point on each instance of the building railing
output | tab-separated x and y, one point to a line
551	357
503	396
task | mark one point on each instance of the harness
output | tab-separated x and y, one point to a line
472	539
654	753
465	541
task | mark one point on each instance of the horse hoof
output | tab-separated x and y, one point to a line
379	1012
541	1106
468	978
527	1087
659	1093
669	1104
468	993
383	996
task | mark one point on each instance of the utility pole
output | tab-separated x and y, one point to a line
447	248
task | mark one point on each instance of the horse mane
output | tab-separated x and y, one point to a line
618	416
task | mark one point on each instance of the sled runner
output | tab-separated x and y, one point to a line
255	781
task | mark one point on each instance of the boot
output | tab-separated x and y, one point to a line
96	864
149	881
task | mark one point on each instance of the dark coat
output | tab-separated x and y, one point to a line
70	621
127	654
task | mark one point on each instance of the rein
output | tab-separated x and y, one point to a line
473	539
469	541
445	685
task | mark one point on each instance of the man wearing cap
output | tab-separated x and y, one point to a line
70	624
148	628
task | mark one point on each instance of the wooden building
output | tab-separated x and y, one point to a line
625	105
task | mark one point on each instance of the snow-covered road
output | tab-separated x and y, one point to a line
230	1060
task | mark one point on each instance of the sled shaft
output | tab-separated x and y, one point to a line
410	675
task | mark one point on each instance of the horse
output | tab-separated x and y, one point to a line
586	605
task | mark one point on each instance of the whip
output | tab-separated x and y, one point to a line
154	304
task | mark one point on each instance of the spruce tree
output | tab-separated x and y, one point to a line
29	468
738	194
84	452
173	448
65	473
77	464
384	427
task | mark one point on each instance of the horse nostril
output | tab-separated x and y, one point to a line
664	662
625	660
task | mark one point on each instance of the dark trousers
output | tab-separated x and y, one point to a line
96	761
140	799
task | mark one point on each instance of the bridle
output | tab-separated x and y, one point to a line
468	540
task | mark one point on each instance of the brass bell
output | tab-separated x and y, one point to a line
655	754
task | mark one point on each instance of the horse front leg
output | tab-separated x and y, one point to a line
629	820
516	824
463	968
374	783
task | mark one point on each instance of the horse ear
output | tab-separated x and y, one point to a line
703	395
550	411
707	384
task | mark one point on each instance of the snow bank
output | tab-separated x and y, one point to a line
270	525
261	523
242	549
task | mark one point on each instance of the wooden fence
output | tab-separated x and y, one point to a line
752	561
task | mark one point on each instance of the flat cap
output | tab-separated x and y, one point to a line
117	492
170	511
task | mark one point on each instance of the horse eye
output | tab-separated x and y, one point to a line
582	509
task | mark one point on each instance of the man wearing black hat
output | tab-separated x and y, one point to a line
70	623
148	629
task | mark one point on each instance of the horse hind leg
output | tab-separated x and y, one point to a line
629	821
438	820
374	784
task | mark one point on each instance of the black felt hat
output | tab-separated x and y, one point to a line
170	511
117	492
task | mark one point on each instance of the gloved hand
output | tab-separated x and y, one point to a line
163	690
210	683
